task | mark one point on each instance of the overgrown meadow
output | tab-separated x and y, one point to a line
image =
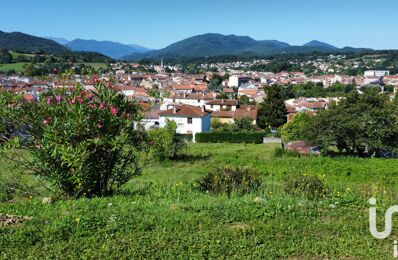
162	214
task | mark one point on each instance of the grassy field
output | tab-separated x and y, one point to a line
161	215
18	66
95	65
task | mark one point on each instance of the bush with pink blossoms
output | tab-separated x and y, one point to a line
85	143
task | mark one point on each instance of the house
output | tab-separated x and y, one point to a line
229	92
190	88
151	119
221	104
237	81
133	92
376	73
192	99
189	119
229	117
308	105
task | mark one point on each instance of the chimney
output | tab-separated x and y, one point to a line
203	109
222	100
174	109
184	95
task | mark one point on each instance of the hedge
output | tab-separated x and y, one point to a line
230	137
186	137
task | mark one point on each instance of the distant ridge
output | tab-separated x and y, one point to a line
17	41
315	43
115	50
215	44
59	40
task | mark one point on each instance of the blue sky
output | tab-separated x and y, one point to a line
158	23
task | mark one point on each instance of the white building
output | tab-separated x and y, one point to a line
192	99
237	81
189	119
376	73
222	104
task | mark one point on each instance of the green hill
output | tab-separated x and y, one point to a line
213	44
17	41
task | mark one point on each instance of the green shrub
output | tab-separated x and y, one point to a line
228	180
186	137
279	152
295	129
230	137
165	143
310	186
85	144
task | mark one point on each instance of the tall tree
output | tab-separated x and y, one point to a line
359	124
273	111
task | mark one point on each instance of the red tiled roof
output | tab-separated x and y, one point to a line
153	114
184	110
228	90
29	97
201	87
313	104
221	102
245	111
249	92
194	96
222	114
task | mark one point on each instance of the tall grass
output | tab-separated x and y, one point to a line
162	215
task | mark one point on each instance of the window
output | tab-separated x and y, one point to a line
189	120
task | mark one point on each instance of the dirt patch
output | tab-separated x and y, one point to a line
239	226
10	220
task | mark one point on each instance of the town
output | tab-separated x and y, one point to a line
224	92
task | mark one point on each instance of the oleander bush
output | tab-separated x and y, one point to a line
84	143
229	179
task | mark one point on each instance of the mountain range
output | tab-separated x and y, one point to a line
214	44
17	41
112	49
205	45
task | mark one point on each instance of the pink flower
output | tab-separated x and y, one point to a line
58	98
99	125
49	99
95	79
101	106
113	110
46	121
109	84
